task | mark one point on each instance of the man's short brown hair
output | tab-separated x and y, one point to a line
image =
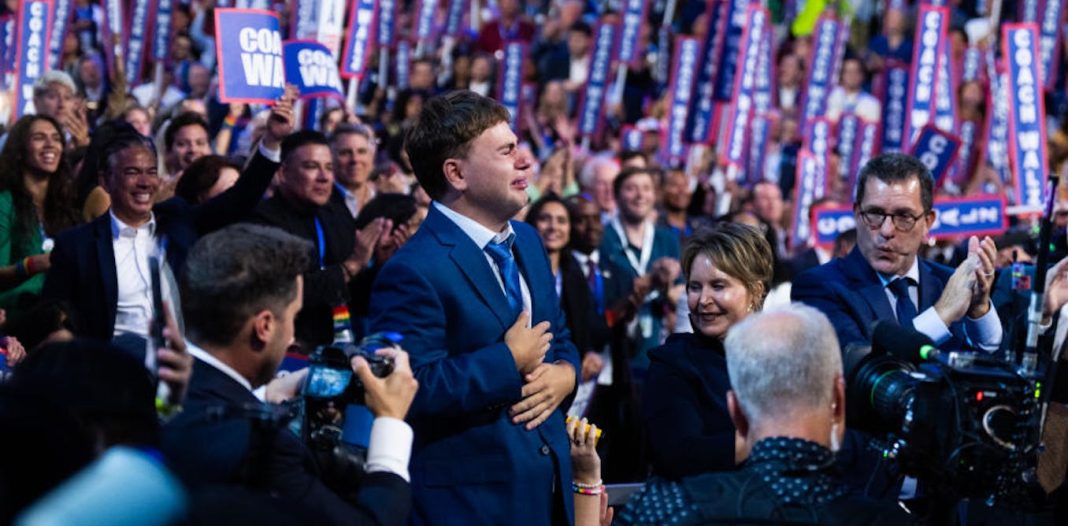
444	130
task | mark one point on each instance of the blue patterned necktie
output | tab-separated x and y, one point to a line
906	310
502	255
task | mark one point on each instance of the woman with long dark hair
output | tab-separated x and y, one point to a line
36	203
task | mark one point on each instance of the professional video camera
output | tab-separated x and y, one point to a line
335	423
965	424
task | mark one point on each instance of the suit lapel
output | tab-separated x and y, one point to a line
472	263
105	254
868	285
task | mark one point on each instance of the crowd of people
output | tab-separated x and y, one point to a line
565	311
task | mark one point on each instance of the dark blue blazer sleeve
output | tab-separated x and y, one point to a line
450	383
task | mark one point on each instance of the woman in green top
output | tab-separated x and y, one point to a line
36	197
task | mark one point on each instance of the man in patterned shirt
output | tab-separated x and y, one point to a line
789	403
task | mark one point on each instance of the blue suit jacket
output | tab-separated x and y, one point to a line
850	293
470	463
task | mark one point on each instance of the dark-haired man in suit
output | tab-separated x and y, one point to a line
474	297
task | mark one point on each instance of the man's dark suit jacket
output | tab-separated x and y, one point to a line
470	463
850	293
83	262
324	282
206	449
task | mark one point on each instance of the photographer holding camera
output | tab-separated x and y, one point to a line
241	293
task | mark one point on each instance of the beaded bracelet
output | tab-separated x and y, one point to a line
27	263
587	489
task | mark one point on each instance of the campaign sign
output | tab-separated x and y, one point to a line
161	44
735	26
848	127
592	105
867	144
937	150
358	43
404	59
7	50
387	13
634	13
249	54
971	216
765	76
961	217
304	19
1027	10
510	81
759	135
820	74
931	27
31	55
829	222
1027	113
1048	48
804	196
702	111
312	69
455	19
683	75
631	138
136	36
64	9
758	23
895	90
424	22
946	94
968	131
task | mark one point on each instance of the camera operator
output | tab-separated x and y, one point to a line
241	293
788	401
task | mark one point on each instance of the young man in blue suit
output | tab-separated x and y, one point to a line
474	297
894	213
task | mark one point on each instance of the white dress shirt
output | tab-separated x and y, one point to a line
483	236
132	247
390	447
984	332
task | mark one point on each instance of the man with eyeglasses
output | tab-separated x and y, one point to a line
883	279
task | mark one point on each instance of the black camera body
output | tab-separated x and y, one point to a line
965	424
332	394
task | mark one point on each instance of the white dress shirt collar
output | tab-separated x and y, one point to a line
478	233
206	357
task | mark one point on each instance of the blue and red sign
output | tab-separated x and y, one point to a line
455	19
821	71
703	110
7	50
968	131
1027	113
634	12
946	94
312	69
867	144
64	10
592	105
759	141
932	25
161	45
424	21
758	23
250	56
735	26
683	76
404	60
631	137
510	81
387	15
805	193
34	21
359	42
1053	12
894	91
937	150
141	23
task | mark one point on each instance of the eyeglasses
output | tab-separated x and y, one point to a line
902	222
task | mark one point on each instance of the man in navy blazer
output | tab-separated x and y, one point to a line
84	270
894	213
474	298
